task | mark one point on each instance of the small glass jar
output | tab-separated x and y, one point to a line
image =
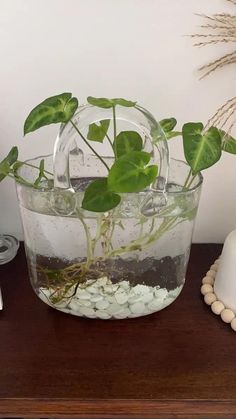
8	248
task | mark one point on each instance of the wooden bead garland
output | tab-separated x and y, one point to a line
210	298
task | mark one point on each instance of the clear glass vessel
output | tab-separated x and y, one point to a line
8	248
125	263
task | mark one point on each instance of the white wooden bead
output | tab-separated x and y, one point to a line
227	315
208	280
210	298
211	273
214	267
206	288
217	307
233	324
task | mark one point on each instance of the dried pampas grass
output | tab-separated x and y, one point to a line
217	29
225	116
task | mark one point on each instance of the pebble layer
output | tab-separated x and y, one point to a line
210	298
104	300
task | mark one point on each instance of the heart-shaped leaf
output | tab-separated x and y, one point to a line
168	124
126	142
201	150
103	102
98	132
98	198
130	173
228	142
55	109
5	164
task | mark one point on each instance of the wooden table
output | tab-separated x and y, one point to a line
175	363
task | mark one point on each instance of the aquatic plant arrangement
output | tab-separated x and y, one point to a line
94	247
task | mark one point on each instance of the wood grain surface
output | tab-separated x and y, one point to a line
180	362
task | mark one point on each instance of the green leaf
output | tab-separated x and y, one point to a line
130	173
98	132
201	150
103	102
168	124
126	142
123	102
55	109
7	162
99	198
228	142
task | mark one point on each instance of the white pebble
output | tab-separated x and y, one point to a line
82	294
217	307
89	312
103	314
147	298
96	298
108	289
227	315
208	280
42	295
206	288
155	305
92	289
233	324
134	315
102	305
102	281
209	298
173	294
140	289
121	297
84	303
46	292
114	308
124	284
135	298
65	310
137	308
211	273
123	314
74	306
161	293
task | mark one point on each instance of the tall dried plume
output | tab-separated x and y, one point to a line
219	28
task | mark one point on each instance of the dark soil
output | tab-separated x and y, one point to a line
166	272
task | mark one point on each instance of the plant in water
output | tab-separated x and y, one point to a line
131	171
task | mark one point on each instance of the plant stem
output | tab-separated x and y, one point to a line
188	178
190	183
110	141
87	143
88	239
22	181
114	127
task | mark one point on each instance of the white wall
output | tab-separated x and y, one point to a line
129	48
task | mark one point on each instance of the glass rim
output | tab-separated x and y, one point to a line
166	192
